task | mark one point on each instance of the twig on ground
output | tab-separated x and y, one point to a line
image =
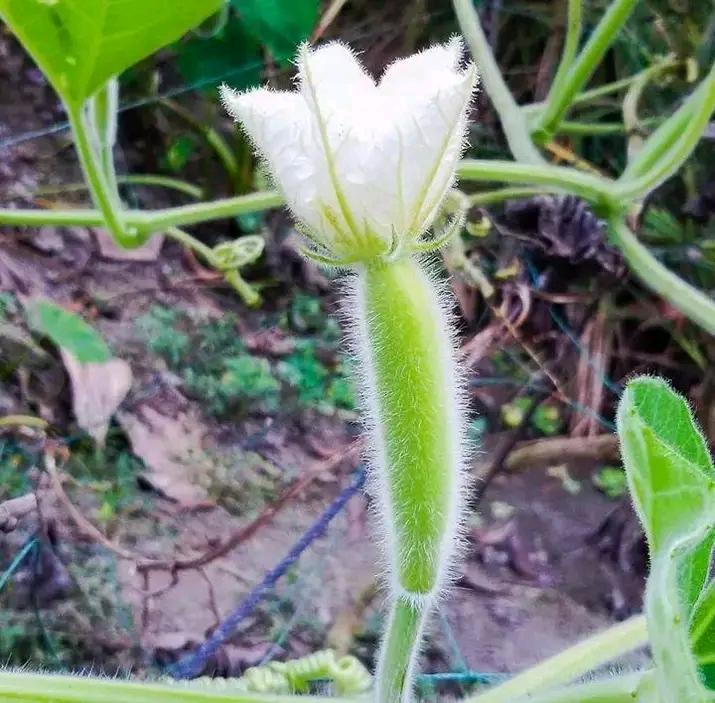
233	540
602	447
269	512
79	520
213	603
510	456
594	360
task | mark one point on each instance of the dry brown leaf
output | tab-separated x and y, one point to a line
97	391
171	448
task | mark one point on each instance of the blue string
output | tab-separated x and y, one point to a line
19	558
463	677
16	139
193	664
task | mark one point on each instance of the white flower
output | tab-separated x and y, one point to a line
363	166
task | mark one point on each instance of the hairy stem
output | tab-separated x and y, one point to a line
587	186
562	94
693	303
670	145
595	189
593	94
178	235
212	137
573	34
617	689
99	186
399	651
510	115
213	210
578	129
232	276
492	197
416	427
630	116
135	179
101	117
149	222
658	143
571	663
24	687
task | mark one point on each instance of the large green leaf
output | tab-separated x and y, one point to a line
69	332
668	464
281	25
80	44
231	55
672	481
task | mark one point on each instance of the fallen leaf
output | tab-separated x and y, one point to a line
98	388
172	450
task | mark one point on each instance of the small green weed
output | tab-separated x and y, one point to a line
546	419
63	638
111	473
244	383
159	330
611	480
212	360
15	462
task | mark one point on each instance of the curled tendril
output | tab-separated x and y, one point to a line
347	673
238	253
454	226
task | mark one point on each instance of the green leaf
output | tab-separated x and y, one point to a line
69	332
672	481
670	472
231	55
281	25
702	633
81	44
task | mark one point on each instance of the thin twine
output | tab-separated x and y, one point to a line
192	665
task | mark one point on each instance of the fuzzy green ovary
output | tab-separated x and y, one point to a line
409	352
351	245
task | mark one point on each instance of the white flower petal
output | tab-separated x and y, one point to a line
424	73
361	163
333	74
281	127
346	107
431	123
454	144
